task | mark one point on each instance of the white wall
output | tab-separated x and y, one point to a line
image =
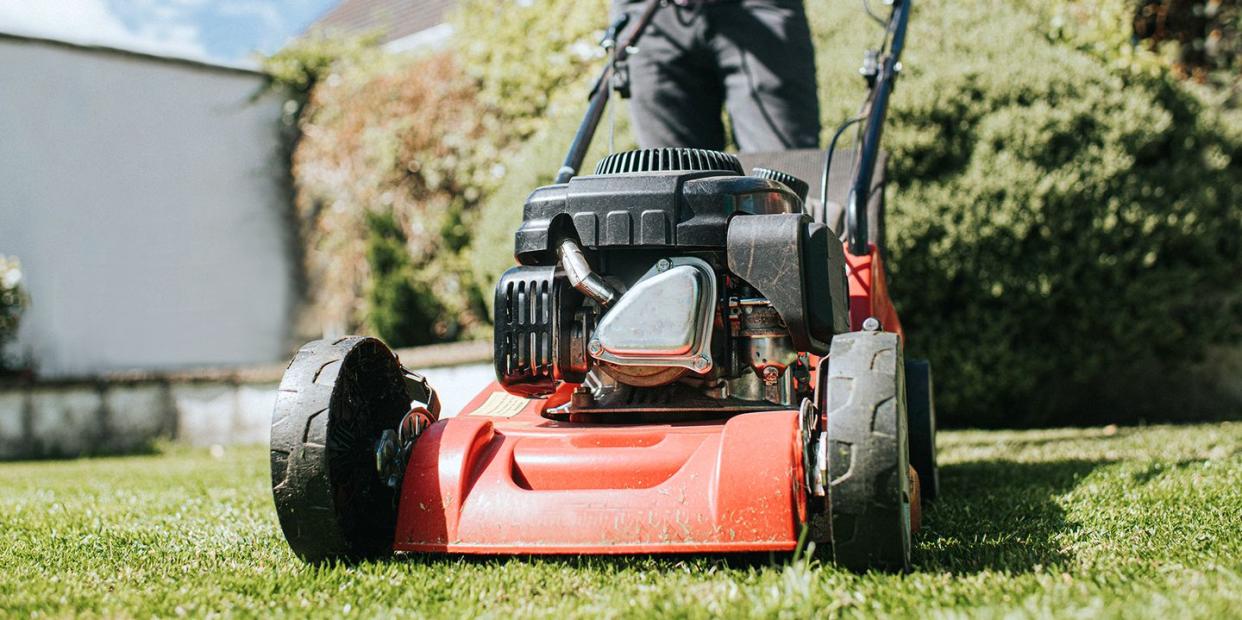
143	198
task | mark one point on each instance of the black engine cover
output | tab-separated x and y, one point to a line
676	209
800	268
534	310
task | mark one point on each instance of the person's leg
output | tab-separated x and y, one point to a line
765	52
676	94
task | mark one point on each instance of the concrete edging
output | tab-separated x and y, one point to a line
126	412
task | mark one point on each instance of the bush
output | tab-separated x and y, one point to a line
1060	231
400	307
392	157
1200	40
530	59
1055	227
12	302
12	297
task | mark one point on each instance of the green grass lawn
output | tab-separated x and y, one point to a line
1143	522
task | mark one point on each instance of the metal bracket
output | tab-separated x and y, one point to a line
814	449
421	393
871	67
392	450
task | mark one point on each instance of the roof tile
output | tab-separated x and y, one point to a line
393	19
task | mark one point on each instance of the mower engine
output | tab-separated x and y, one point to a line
669	282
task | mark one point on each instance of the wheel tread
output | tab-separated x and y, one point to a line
866	418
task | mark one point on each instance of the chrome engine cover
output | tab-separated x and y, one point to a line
661	327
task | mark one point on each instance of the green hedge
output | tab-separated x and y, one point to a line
1060	231
1057	230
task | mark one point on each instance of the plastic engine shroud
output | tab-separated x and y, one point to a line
674	209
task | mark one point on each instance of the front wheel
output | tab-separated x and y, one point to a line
335	401
868	454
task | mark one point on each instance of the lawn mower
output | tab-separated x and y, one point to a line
689	358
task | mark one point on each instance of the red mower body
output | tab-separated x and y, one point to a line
486	483
500	478
679	370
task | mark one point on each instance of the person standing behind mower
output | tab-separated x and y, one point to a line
753	57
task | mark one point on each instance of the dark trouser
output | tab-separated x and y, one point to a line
754	57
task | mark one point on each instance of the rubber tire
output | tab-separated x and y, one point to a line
921	413
868	459
335	400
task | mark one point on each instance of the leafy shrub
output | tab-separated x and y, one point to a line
1059	231
12	297
1101	28
531	59
1055	227
296	70
401	307
1197	40
13	301
392	150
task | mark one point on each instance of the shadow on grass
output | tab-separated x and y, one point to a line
39	452
1045	438
999	515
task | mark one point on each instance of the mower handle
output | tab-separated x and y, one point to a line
601	90
887	69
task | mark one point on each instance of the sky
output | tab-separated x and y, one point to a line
221	31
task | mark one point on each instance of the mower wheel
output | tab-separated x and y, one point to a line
336	398
921	409
868	461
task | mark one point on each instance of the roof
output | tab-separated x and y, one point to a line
116	51
393	19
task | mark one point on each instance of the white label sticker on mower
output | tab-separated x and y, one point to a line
501	405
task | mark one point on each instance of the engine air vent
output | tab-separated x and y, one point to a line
665	159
